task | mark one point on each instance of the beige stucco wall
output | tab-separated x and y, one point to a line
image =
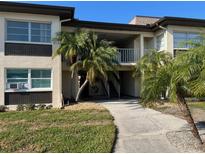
187	29
29	61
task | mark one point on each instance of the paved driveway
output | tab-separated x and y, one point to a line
140	129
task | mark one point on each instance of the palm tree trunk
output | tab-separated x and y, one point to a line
187	115
80	90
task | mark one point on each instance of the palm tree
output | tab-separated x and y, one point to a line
96	57
147	68
71	44
188	78
179	76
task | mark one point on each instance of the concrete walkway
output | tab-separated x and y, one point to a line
140	129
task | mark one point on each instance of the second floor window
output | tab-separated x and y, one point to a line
17	31
183	39
40	32
28	31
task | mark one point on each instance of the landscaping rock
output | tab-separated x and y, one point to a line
184	141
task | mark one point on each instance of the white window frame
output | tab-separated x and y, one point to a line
30	36
29	32
6	21
17	79
39	78
30	89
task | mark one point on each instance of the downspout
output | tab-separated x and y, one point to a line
161	26
65	20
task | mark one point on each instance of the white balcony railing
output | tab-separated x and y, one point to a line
128	55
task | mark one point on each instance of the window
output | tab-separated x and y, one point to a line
17	79
41	78
181	39
28	79
193	37
40	32
28	31
160	42
17	31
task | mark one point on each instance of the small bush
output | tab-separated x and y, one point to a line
49	107
3	108
41	107
30	107
20	107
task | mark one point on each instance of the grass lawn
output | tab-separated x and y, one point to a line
75	129
197	109
200	105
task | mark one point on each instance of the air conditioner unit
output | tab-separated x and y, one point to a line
22	85
17	85
12	86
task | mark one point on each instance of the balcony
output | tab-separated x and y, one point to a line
128	55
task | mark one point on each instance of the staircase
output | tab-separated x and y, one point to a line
113	91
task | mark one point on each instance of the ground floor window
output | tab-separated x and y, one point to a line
28	79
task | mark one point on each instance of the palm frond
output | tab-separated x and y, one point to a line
153	69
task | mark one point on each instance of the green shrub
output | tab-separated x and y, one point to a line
3	108
20	107
49	107
41	106
29	107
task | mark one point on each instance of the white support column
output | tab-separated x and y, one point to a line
169	41
57	83
141	45
137	47
57	99
155	42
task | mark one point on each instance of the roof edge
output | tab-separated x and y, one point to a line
36	5
106	25
21	7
